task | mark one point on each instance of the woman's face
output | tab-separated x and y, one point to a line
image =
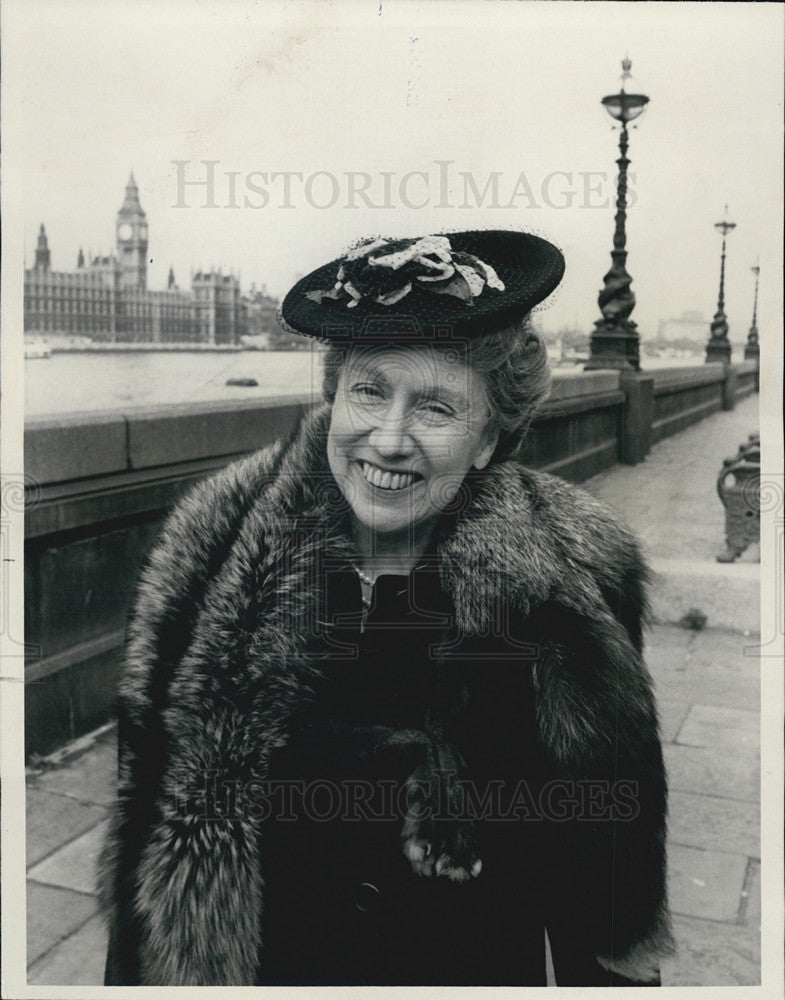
407	425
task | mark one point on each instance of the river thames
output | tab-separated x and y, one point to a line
75	382
79	382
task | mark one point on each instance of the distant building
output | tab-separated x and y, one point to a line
691	325
107	299
261	313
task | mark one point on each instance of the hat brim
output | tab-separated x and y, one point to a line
529	266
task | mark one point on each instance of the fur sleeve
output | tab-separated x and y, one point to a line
597	718
194	543
592	538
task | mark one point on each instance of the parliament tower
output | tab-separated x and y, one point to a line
131	230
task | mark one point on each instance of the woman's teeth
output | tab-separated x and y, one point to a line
386	480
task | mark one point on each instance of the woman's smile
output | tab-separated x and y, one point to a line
387	480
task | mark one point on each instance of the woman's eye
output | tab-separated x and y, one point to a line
369	391
437	409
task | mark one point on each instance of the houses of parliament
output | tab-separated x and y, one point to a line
107	299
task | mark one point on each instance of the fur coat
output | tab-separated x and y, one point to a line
220	656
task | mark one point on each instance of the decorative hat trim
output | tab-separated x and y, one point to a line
387	277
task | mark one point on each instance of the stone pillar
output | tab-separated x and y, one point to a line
637	417
729	388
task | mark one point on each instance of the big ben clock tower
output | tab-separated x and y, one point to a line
132	239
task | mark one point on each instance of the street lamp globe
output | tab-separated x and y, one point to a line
625	107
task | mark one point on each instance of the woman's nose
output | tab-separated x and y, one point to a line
390	435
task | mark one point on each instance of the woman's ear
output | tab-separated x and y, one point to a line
487	447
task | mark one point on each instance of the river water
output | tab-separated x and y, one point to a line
69	383
72	382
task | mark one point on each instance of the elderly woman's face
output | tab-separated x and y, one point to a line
407	425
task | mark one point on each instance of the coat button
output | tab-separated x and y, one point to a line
367	897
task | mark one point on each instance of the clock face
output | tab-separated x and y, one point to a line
125	231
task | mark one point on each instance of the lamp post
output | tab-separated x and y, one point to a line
752	348
615	342
718	348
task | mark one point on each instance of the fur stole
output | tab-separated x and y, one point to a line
220	657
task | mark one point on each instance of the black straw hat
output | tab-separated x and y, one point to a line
446	287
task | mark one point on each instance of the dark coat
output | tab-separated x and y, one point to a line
223	653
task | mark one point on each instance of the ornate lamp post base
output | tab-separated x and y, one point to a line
614	345
718	352
718	347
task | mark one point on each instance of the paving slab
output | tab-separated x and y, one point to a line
79	960
54	819
714	824
665	638
721	728
672	715
52	914
711	954
705	668
705	884
88	777
725	773
728	594
708	688
73	866
710	648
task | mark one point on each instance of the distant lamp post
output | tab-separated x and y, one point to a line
615	342
752	348
718	348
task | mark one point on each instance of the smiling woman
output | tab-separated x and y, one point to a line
407	426
385	718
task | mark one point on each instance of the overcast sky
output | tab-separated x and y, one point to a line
354	94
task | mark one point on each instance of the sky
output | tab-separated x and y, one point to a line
301	106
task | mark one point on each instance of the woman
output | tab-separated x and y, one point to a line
385	717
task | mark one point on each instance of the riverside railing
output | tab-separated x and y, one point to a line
100	483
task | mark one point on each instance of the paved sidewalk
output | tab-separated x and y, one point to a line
708	687
671	502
